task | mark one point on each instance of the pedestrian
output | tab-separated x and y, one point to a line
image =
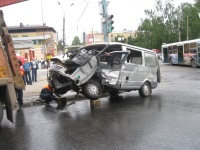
19	92
42	64
46	93
22	71
27	68
48	63
45	64
34	68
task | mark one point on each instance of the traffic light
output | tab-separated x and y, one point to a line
110	23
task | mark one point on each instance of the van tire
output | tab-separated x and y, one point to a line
92	90
145	90
1	112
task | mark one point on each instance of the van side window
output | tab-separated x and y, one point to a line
117	58
104	58
135	57
150	60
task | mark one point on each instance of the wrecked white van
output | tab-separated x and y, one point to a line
107	67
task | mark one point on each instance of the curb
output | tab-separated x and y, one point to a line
37	101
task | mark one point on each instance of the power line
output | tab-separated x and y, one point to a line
82	12
78	19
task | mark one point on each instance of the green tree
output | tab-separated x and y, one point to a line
158	26
190	22
76	41
197	5
130	40
60	45
161	25
120	39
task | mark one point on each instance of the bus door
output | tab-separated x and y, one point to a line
180	54
165	55
198	54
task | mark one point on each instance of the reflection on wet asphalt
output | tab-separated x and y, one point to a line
169	119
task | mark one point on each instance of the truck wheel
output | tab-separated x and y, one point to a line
92	90
145	90
1	112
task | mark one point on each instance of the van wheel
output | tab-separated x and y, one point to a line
1	112
145	90
92	90
193	64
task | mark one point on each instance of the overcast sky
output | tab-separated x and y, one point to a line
127	14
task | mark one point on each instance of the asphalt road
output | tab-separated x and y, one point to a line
169	119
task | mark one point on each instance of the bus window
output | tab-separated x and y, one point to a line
186	48
193	45
175	49
170	50
193	50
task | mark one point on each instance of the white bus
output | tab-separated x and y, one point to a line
183	53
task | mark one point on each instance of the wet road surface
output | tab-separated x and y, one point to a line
169	119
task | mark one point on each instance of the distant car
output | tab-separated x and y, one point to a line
159	55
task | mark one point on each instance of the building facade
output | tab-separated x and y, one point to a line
96	37
44	40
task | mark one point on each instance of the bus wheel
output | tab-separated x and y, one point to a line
1	112
193	64
145	90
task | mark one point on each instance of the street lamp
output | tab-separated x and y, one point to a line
64	24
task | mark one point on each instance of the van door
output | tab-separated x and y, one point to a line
140	67
133	71
110	65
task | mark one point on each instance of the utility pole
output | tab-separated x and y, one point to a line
84	42
64	42
92	36
187	29
63	26
64	31
104	20
179	30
